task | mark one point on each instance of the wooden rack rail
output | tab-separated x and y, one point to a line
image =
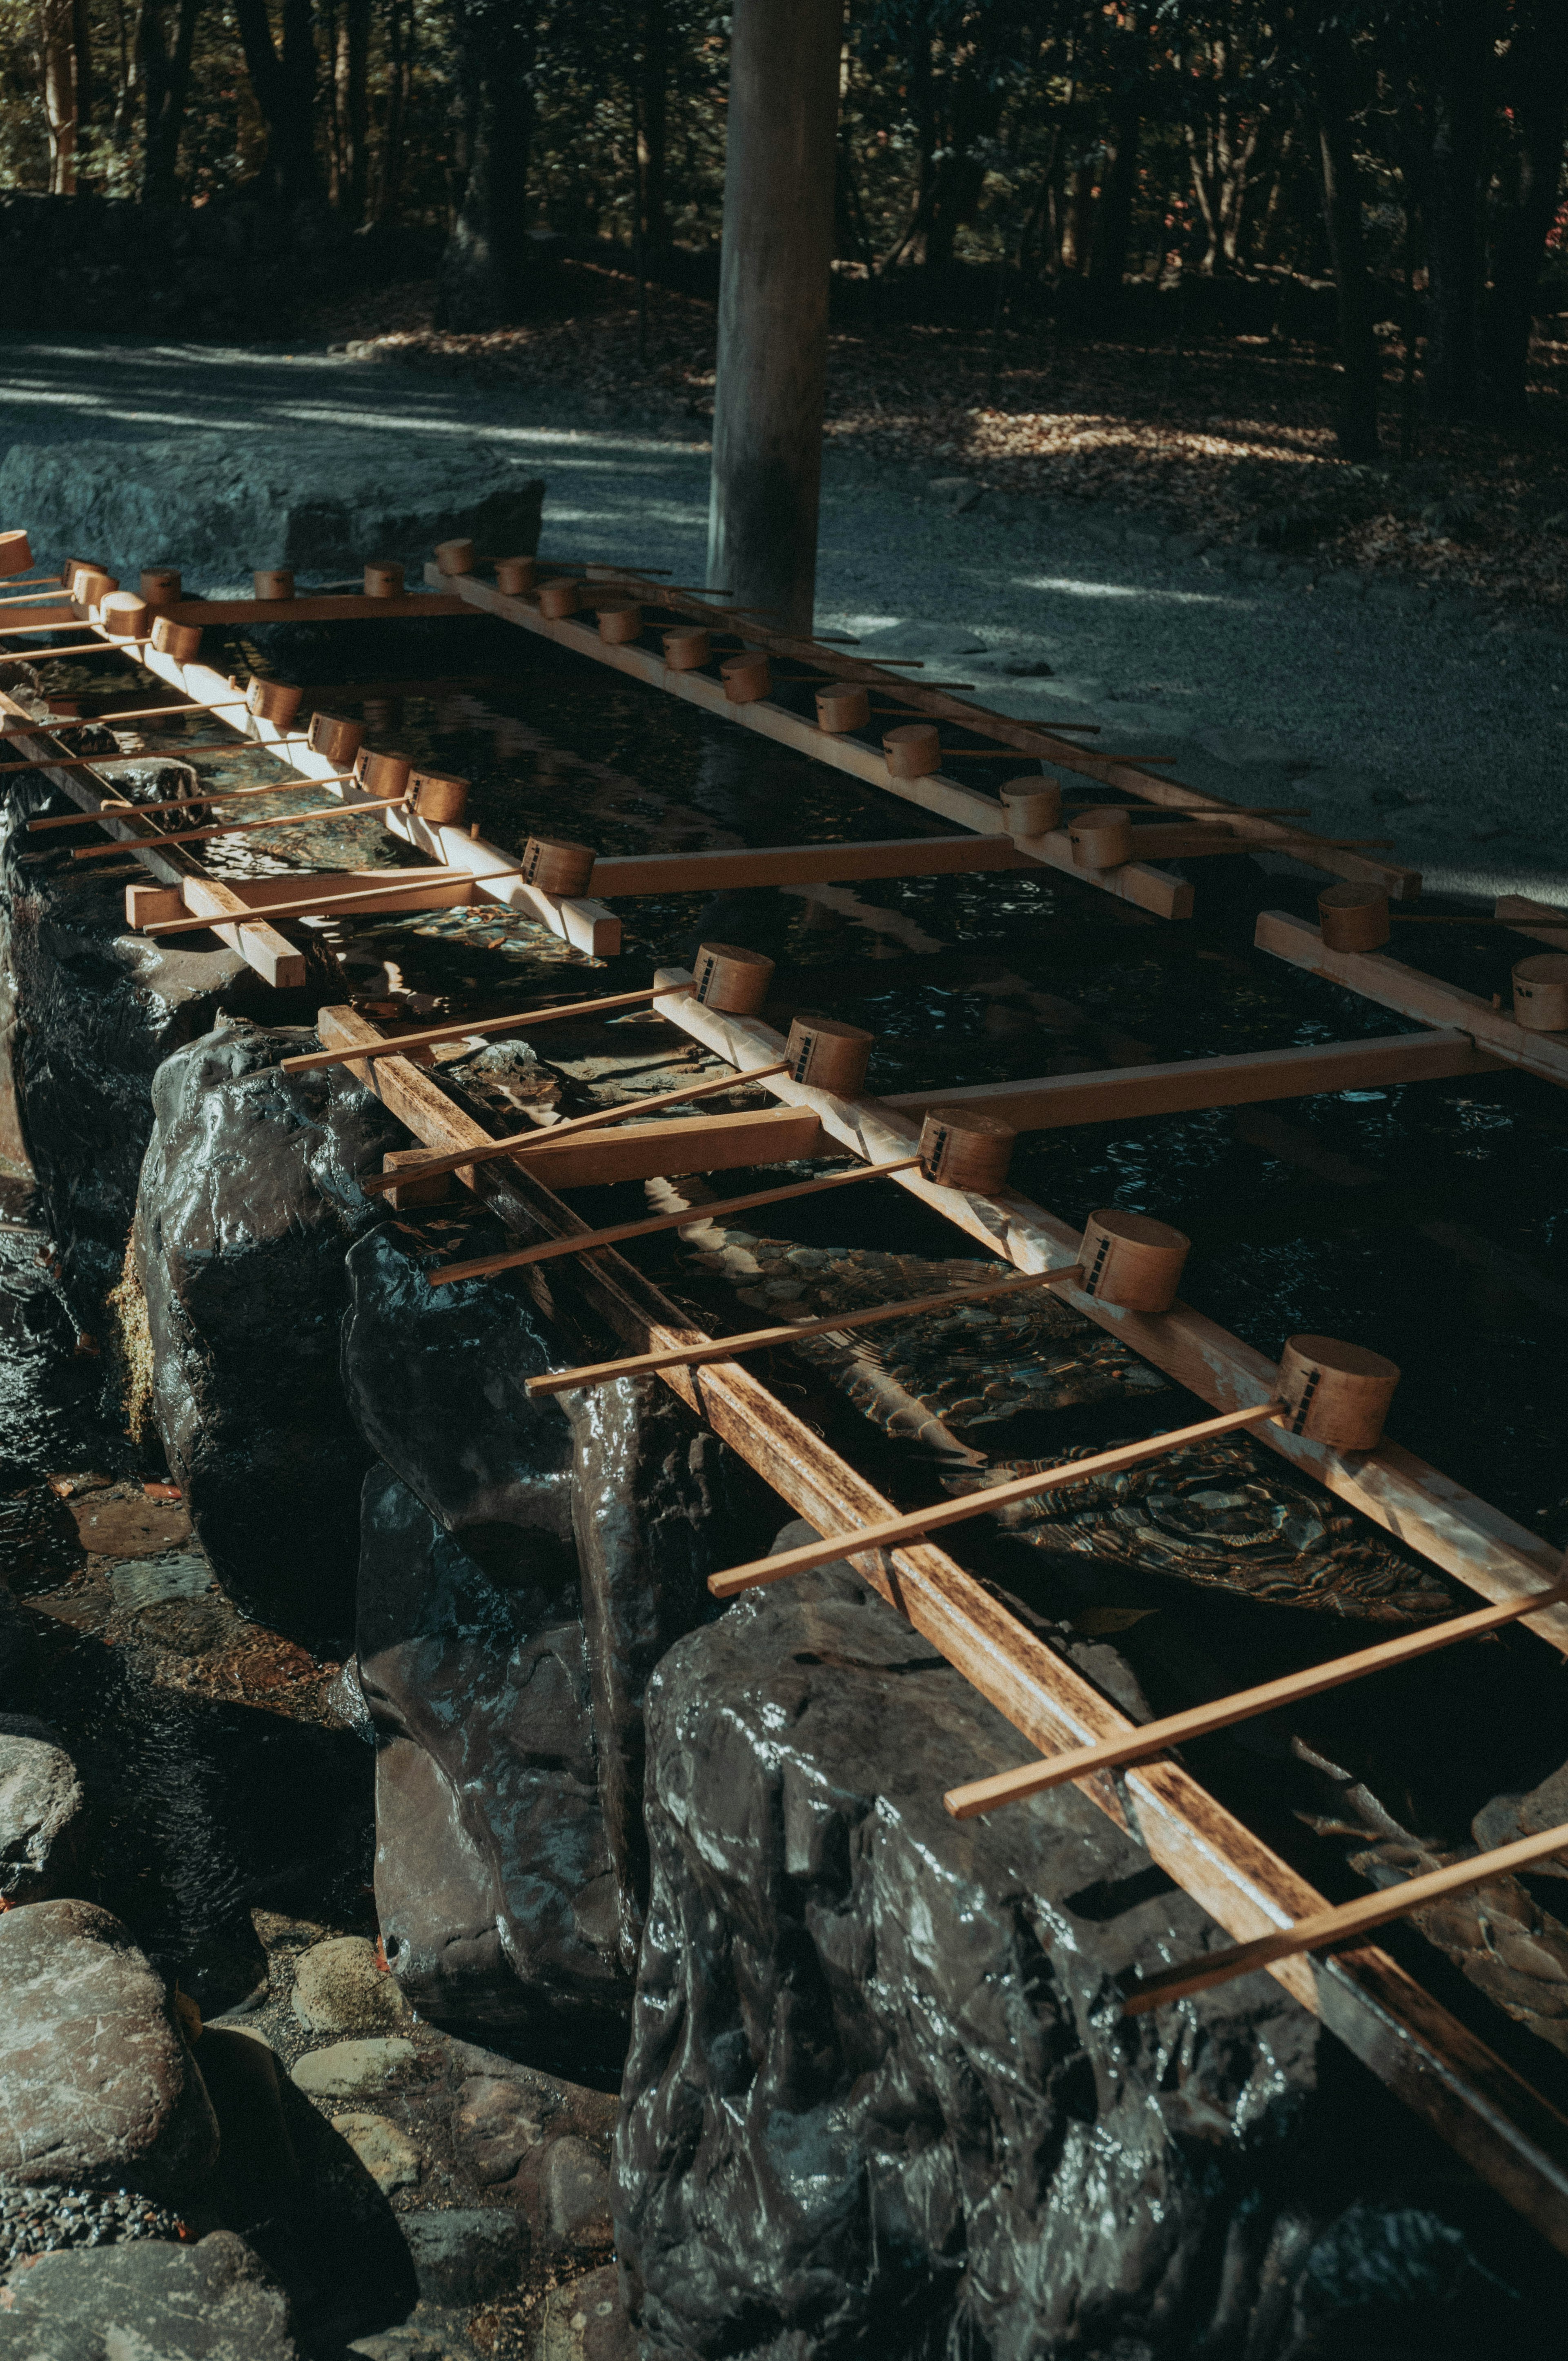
1489	2113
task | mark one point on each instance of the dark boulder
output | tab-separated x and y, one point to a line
249	1204
881	2096
96	2084
88	1011
524	1566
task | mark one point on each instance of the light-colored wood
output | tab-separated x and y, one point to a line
491	1027
436	889
1149	889
202	796
731	978
384	578
687	649
35	615
125	615
1354	917
1467	1537
273	582
1349	1922
241	827
455	557
180	640
1541	991
830	1056
258	943
977	1796
88	584
16	553
892	1531
54	655
757	1340
382	774
439	797
801	864
745	677
619	1231
846	706
515	575
520	1144
1031	806
1131	1260
1102	836
1337	1393
406	1185
913	751
321	607
559	598
1393	985
338	740
1542	921
960	1148
1375	2007
620	621
693	1143
276	701
160	586
1131	1094
146	902
558	866
103	761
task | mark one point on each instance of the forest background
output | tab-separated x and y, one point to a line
1354	213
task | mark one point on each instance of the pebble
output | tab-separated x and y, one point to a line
576	2190
388	2156
340	1987
46	2220
345	2067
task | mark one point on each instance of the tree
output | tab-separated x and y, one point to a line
285	88
1535	91
163	77
485	269
1334	98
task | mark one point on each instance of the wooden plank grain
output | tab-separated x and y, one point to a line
1128	1093
1488	2114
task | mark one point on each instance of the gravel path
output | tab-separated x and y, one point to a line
1438	722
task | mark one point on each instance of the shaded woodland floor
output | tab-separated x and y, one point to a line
1230	436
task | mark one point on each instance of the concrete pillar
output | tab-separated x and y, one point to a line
772	304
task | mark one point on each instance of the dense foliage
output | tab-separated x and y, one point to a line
1406	148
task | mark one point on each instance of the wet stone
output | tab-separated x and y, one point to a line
576	2191
139	1528
345	2067
212	2301
41	1810
587	2321
465	2254
388	2156
497	2121
97	2083
340	1987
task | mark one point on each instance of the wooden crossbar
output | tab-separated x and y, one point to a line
1467	1537
1506	2131
1127	1093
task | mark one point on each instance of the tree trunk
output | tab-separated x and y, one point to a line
772	304
1462	57
57	58
1113	223
285	93
1537	97
485	269
1360	363
652	135
399	76
165	78
351	97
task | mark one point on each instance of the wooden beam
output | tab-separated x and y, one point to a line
273	957
1128	1093
1148	889
1467	1537
587	926
380	888
1024	737
1393	985
804	864
1533	918
313	607
695	1143
1489	2113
